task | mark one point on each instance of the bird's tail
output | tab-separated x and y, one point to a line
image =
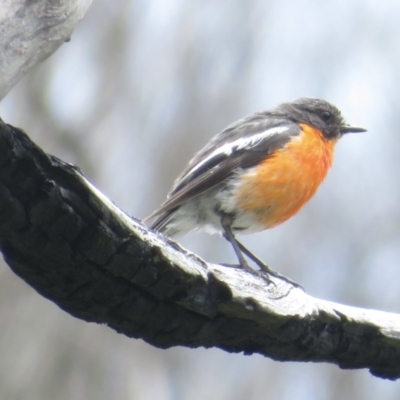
162	223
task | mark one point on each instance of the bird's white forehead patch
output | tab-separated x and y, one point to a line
239	144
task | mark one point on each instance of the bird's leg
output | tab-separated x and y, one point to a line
226	223
240	249
264	267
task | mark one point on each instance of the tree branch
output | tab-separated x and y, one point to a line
32	30
75	247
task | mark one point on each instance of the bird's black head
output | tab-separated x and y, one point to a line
319	114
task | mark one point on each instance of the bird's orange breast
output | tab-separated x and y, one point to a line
277	188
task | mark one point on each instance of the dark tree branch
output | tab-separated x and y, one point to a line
70	243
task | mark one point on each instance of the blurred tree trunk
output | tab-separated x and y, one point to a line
32	30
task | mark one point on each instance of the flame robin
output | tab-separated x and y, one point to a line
255	174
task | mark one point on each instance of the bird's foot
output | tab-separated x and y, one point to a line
264	272
265	269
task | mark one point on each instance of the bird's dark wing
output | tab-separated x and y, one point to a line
242	145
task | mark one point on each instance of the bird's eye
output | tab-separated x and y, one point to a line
326	116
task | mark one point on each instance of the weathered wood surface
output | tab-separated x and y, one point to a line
75	247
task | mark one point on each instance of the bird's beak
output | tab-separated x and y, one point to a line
351	129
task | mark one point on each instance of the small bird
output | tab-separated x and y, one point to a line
255	174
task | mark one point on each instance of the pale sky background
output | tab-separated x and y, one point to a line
143	85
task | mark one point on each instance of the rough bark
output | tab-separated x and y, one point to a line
32	30
75	247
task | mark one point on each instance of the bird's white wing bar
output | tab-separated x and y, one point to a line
242	143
